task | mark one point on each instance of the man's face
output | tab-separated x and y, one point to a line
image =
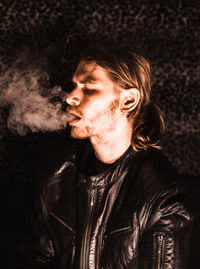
94	100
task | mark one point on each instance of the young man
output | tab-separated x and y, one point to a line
116	202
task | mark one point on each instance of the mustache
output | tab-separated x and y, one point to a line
75	111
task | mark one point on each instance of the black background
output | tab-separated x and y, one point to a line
168	31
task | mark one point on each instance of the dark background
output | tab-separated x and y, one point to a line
168	31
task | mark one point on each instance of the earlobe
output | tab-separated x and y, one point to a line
130	100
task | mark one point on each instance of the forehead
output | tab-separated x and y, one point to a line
90	72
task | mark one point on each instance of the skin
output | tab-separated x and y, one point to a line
102	111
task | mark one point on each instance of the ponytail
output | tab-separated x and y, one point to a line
148	128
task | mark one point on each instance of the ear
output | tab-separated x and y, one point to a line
130	99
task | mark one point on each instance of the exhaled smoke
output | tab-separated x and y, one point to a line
23	89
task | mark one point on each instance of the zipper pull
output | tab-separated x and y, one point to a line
159	241
160	238
92	198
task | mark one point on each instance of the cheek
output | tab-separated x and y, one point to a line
89	108
92	107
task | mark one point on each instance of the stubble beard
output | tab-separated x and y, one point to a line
103	122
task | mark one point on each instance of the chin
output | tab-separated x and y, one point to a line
78	134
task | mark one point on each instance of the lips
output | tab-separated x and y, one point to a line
72	117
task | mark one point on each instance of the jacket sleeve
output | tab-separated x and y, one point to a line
165	240
38	251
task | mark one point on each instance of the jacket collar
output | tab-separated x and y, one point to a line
109	176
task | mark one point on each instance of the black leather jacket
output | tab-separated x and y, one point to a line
130	216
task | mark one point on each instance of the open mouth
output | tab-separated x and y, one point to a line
72	118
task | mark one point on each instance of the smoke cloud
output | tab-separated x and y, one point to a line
24	91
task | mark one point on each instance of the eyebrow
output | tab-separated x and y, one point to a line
87	79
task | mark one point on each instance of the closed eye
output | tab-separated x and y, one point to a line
89	91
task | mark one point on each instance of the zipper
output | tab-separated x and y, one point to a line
85	242
62	222
127	228
120	230
69	228
159	241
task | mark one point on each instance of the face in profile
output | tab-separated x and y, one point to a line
94	101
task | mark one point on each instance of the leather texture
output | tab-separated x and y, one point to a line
130	216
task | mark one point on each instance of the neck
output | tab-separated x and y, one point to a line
110	148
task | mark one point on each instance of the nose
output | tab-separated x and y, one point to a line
74	97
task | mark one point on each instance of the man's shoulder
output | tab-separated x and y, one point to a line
155	162
55	175
58	156
156	173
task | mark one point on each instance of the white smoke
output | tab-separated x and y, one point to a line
23	89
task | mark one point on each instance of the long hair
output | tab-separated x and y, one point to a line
129	68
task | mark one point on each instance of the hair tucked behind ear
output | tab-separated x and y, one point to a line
148	128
